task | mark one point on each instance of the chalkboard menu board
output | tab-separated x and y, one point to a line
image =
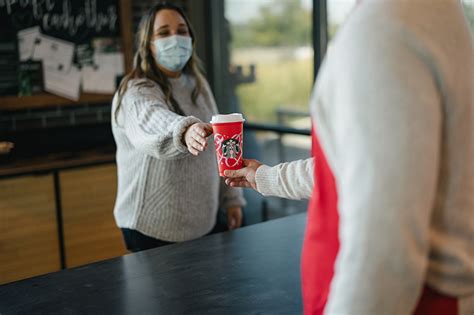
71	20
8	65
80	29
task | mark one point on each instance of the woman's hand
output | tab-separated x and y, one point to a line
245	177
234	218
195	137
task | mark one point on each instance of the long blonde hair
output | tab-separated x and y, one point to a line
144	66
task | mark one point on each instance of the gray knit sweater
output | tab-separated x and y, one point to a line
164	191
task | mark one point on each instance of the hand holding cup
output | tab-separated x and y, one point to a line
195	137
245	177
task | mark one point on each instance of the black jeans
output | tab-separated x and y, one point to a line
136	241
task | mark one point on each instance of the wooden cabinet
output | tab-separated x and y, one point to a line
29	244
29	240
87	198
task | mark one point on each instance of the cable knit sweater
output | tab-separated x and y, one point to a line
393	108
164	191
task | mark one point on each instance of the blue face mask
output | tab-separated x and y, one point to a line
173	52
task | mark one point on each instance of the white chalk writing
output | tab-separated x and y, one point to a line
58	15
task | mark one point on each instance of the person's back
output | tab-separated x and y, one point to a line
394	113
391	219
445	35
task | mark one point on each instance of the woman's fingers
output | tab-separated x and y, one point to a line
193	151
197	145
195	137
200	140
198	132
200	136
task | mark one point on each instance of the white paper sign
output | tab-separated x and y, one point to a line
112	62
102	77
26	42
98	80
65	84
56	54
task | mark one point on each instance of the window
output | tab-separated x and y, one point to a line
469	11
268	50
271	57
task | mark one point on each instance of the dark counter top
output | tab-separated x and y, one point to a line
253	270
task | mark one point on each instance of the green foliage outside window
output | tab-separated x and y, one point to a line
469	10
287	83
279	28
283	23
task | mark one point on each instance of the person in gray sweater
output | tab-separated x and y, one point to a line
169	189
390	226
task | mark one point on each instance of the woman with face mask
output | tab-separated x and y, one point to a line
169	189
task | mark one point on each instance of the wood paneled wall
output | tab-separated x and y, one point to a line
29	243
88	197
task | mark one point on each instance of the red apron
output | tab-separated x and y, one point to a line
321	245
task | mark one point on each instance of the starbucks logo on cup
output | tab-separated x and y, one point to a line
229	151
230	148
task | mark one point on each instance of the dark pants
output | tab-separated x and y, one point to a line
136	241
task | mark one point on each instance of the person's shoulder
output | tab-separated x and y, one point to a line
373	33
366	23
141	85
143	88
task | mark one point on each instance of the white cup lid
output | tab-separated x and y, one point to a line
229	118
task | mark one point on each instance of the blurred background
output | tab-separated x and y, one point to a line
58	181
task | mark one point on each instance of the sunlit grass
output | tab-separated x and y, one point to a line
280	82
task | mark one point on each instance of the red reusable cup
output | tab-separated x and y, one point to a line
228	139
